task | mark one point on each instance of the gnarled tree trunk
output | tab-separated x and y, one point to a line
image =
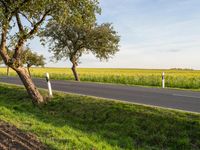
75	72
14	62
30	86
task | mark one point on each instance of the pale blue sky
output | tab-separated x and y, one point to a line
154	34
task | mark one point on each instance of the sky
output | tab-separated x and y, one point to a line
155	34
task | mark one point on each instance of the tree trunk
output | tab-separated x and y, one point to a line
23	74
8	70
75	72
28	68
30	86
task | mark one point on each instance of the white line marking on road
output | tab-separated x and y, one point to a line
180	95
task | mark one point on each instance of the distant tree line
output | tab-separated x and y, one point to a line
181	69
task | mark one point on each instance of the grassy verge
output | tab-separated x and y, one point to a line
81	122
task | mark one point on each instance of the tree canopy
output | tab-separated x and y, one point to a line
32	58
13	13
22	20
71	41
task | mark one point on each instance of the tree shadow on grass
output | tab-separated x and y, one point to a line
121	125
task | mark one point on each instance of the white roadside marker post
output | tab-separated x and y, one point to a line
163	80
49	85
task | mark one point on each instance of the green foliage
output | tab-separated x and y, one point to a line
80	122
32	58
59	10
35	14
103	41
29	58
28	17
71	40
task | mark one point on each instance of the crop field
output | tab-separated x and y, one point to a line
187	79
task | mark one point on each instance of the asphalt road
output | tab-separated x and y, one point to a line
168	98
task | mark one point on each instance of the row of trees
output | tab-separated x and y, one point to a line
68	25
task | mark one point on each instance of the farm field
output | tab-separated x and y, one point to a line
186	79
80	122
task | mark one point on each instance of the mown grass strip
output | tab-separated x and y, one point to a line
81	122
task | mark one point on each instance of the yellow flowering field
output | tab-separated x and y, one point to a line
188	79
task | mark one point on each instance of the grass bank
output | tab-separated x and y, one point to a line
81	122
185	79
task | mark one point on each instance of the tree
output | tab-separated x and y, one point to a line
30	59
29	16
71	40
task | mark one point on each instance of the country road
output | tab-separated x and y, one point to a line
168	98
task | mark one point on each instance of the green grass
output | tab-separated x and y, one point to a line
185	79
80	122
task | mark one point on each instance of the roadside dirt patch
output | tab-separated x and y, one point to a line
12	138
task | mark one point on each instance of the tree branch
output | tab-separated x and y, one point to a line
23	38
19	23
27	18
35	27
9	13
5	5
18	47
3	51
18	7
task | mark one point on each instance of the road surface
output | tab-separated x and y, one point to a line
168	98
